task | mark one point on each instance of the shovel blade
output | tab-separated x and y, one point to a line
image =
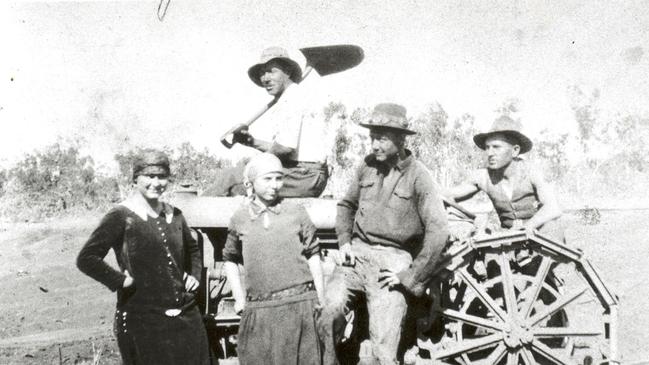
328	60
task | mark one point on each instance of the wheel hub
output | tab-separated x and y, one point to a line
517	334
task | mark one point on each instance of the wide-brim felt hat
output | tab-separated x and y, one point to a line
509	127
390	116
277	54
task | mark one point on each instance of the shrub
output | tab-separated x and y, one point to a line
59	180
56	179
3	181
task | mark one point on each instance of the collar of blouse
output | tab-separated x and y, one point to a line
136	204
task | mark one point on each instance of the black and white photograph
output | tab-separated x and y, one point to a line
235	182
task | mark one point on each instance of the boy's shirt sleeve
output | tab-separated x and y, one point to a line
232	248
310	242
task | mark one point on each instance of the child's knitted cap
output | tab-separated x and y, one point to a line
261	164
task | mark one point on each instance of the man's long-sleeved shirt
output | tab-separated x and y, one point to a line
296	121
398	207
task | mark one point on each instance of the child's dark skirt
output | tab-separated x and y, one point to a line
280	331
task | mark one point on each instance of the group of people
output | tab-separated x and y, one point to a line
391	227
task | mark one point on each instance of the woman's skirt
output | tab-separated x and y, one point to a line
151	337
280	332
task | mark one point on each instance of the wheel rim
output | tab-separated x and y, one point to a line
510	313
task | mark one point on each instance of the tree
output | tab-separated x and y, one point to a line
586	110
3	181
509	106
448	151
57	179
188	166
198	168
551	149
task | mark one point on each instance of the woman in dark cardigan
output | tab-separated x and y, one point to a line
156	321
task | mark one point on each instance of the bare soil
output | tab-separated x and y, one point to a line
50	313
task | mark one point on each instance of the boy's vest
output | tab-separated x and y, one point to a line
524	202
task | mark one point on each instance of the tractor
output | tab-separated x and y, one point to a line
512	297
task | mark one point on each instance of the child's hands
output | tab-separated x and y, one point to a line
239	305
345	255
128	281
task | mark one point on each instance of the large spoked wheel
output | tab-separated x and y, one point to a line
513	301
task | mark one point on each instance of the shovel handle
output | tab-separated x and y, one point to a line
227	139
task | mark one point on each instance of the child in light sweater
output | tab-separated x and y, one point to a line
275	241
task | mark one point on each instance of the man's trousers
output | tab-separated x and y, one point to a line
386	307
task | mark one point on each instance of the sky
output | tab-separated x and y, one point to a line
110	74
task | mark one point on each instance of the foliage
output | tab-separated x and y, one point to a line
607	156
586	111
188	166
334	109
3	181
610	160
447	149
552	151
349	146
509	106
197	167
631	134
613	161
54	180
59	180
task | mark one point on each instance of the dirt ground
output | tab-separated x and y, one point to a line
50	313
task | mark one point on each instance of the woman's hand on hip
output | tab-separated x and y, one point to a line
128	281
191	283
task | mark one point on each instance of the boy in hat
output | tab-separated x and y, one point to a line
293	132
275	241
391	229
523	199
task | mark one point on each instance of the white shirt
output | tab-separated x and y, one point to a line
297	121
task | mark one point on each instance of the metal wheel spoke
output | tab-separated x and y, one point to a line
564	332
482	294
528	357
508	284
495	355
468	346
471	319
549	354
554	307
512	358
460	360
537	285
466	359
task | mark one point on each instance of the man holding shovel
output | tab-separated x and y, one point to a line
304	158
290	126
